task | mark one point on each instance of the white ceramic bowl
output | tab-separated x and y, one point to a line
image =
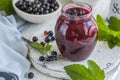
36	18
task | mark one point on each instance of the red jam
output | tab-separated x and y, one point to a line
76	32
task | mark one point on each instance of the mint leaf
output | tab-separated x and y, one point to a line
111	44
114	23
102	35
96	71
37	46
111	33
102	28
118	35
40	47
101	23
109	36
6	5
80	72
48	47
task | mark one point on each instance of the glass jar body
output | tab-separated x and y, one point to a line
76	37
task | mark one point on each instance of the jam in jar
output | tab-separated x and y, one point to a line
76	31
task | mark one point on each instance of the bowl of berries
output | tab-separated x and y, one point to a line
37	11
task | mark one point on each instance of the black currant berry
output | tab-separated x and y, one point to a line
41	58
52	38
54	53
30	75
50	33
35	39
48	39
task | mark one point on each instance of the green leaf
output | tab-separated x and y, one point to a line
118	39
96	71
48	47
114	23
6	5
111	44
40	47
102	35
102	28
37	46
111	33
110	36
101	23
118	35
80	72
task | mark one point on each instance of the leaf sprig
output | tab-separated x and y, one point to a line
109	33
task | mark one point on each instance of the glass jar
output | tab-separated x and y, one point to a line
90	2
76	31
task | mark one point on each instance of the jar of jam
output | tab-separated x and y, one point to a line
76	31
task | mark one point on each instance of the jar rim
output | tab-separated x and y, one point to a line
79	5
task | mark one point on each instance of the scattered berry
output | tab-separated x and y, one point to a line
49	58
30	75
54	53
54	58
35	39
45	33
48	39
50	33
41	58
52	38
42	43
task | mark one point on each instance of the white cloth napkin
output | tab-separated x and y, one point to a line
12	62
10	35
12	51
